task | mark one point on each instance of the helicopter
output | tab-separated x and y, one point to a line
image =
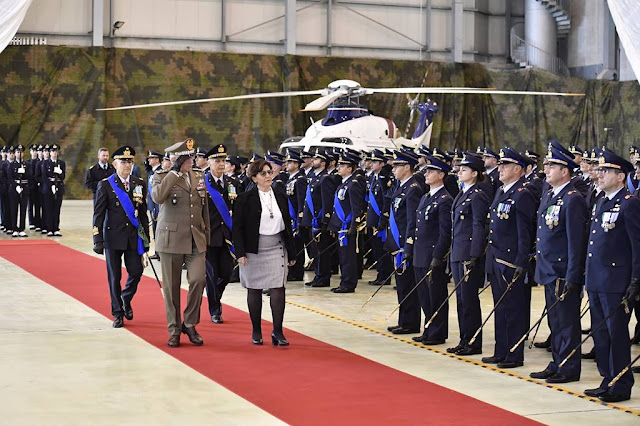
349	123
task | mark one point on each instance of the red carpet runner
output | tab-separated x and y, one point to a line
310	382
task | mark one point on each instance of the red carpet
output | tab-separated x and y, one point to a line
310	382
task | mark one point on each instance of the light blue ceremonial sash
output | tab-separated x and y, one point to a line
127	206
346	221
221	206
630	184
315	225
294	219
399	258
382	233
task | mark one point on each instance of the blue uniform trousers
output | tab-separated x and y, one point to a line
468	302
133	263
409	312
510	316
219	267
323	257
611	340
564	320
432	291
384	267
348	263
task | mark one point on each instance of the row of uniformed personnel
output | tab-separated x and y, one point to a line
31	187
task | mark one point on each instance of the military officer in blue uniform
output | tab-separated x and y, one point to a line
19	184
120	225
511	233
53	172
378	215
612	277
296	190
561	240
450	181
347	218
491	168
400	236
35	203
468	244
533	181
100	170
221	193
431	241
312	219
280	175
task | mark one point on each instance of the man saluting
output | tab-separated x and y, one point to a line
119	230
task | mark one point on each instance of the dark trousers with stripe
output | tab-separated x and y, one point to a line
296	272
564	320
323	256
133	263
432	291
409	312
384	267
468	302
218	266
348	263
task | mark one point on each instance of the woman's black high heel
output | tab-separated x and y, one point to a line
276	341
256	339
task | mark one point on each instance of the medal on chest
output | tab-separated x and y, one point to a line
342	193
428	209
396	203
290	187
552	217
504	209
231	191
609	218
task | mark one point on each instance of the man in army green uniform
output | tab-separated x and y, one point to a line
182	237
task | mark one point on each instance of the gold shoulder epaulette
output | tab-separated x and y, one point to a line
413	184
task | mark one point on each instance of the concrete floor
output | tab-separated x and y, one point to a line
57	352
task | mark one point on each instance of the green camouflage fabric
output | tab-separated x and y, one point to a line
49	94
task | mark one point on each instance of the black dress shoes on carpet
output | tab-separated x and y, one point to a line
543	375
217	319
118	322
193	335
174	341
128	311
343	290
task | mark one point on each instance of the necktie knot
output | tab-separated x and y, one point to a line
126	185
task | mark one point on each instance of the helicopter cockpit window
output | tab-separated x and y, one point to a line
337	114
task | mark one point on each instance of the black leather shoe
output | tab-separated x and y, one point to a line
589	355
374	282
294	278
543	345
194	337
510	364
419	338
118	323
609	396
343	290
310	283
455	349
217	319
433	342
466	351
256	338
543	375
402	330
319	284
549	349
278	341
491	359
595	392
635	370
128	311
561	378
393	327
174	341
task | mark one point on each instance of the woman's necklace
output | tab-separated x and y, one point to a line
270	205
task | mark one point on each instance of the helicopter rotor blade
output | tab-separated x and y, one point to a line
324	101
226	98
466	91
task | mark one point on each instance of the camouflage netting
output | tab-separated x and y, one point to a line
49	94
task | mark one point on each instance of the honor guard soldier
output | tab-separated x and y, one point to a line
221	193
579	184
120	226
312	219
53	173
296	191
19	183
280	175
595	193
533	182
347	219
401	232
468	245
183	236
201	162
561	240
34	200
511	233
378	215
154	160
450	181
101	170
491	168
4	201
612	276
430	247
43	155
578	155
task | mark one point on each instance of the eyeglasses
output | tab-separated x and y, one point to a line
126	161
605	171
266	173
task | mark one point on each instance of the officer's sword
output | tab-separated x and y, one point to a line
428	274
545	312
153	268
464	279
625	369
585	310
483	289
533	339
473	339
308	244
402	265
593	330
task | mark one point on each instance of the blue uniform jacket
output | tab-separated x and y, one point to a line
613	252
351	198
469	223
296	191
316	195
50	178
511	232
562	237
433	228
328	185
404	202
380	185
